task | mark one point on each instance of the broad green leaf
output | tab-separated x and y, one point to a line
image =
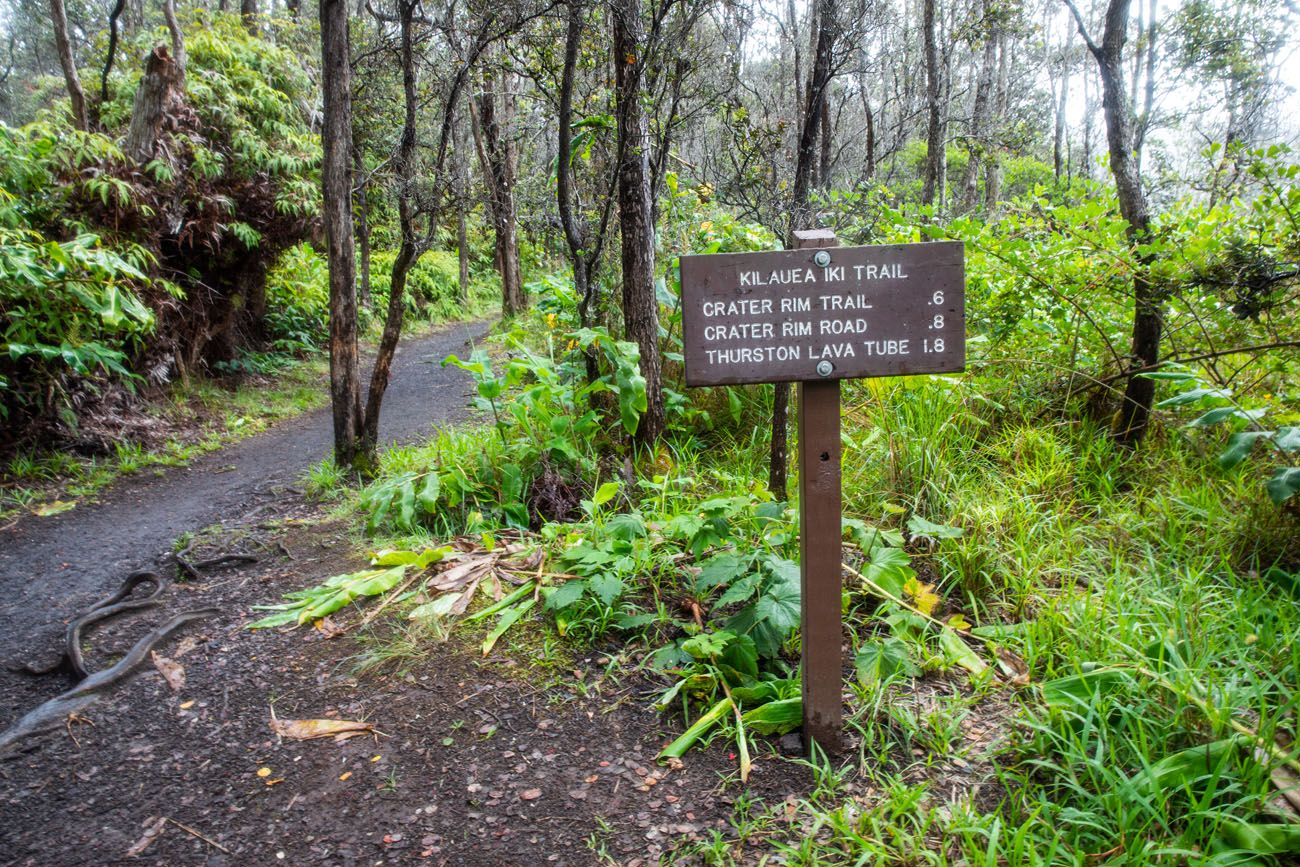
1239	446
1223	413
678	748
406	506
1195	395
958	652
627	526
1181	769
439	607
607	587
878	661
889	569
779	606
918	526
775	717
1084	688
507	620
707	645
721	569
1260	838
1283	484
428	496
605	493
739	660
1287	438
740	590
629	622
565	595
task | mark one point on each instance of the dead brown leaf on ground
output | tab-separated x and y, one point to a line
310	729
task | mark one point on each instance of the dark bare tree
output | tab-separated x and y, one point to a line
801	217
1139	391
493	112
636	221
336	213
76	94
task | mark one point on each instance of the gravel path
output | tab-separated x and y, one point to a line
51	567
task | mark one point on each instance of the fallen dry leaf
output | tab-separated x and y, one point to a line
1288	789
308	729
264	772
172	672
1015	669
343	777
153	827
530	794
328	628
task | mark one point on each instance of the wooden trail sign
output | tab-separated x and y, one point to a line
815	315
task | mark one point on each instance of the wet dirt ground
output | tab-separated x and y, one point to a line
471	761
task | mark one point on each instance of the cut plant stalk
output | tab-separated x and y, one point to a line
691	736
507	620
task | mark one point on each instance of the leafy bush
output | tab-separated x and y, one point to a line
432	285
99	249
297	300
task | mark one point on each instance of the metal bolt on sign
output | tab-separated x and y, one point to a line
762	317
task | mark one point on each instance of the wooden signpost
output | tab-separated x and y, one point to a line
815	315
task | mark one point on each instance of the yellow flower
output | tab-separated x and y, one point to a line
706	225
550	320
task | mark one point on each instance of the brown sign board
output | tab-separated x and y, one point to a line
829	313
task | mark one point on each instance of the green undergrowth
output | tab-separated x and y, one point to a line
1064	652
248	395
200	416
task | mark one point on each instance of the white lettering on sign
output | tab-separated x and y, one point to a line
844	302
785	277
753	354
879	272
781	315
739	331
739	307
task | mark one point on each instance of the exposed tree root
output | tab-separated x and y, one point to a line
53	712
72	660
193	568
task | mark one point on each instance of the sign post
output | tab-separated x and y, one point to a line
821	617
815	315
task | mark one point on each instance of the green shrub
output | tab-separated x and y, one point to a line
297	300
432	286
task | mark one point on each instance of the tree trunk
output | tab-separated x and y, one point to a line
336	208
111	54
1058	132
582	254
159	102
980	115
248	14
935	157
408	251
460	169
640	306
362	194
827	134
993	159
819	79
177	37
61	44
1139	392
498	155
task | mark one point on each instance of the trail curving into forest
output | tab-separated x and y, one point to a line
52	567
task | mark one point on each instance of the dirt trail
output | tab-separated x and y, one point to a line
50	567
